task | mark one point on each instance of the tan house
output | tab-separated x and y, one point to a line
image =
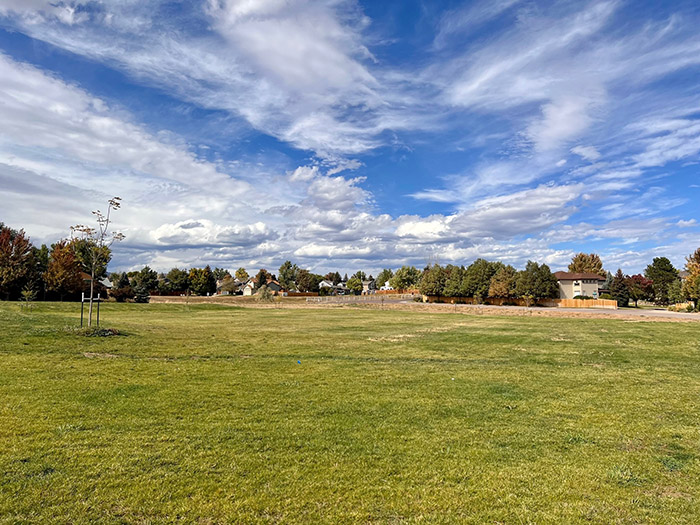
574	284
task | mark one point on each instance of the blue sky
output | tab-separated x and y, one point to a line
344	135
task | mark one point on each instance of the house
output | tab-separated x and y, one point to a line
248	287
574	284
369	286
386	286
326	284
274	286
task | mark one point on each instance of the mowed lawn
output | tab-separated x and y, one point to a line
214	414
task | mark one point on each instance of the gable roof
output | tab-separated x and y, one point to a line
571	276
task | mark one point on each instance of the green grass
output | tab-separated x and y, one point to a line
203	414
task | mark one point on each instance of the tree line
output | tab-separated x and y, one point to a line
77	264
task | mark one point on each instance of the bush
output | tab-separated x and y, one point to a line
264	294
583	297
142	298
606	296
122	294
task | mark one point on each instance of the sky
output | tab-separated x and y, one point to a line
346	135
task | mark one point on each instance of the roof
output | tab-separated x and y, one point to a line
570	276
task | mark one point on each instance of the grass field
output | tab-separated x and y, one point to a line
213	414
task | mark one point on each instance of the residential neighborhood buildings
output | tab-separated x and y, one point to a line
578	284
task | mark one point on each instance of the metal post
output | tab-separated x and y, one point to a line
98	310
82	306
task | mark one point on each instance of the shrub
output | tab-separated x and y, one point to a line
606	296
142	298
264	294
583	297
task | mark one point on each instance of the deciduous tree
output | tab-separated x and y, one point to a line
92	246
639	288
691	284
63	274
242	275
15	261
405	278
384	276
354	285
587	263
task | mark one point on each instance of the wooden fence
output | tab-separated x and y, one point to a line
588	303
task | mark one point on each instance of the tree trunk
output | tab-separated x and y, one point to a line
92	286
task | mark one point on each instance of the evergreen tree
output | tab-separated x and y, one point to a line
220	274
178	279
202	281
477	279
536	282
675	292
432	282
663	274
143	283
454	277
288	275
503	283
261	278
619	290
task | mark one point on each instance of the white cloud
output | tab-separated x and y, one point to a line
586	152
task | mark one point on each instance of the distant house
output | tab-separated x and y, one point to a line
575	284
369	287
386	286
326	284
274	286
248	287
683	274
